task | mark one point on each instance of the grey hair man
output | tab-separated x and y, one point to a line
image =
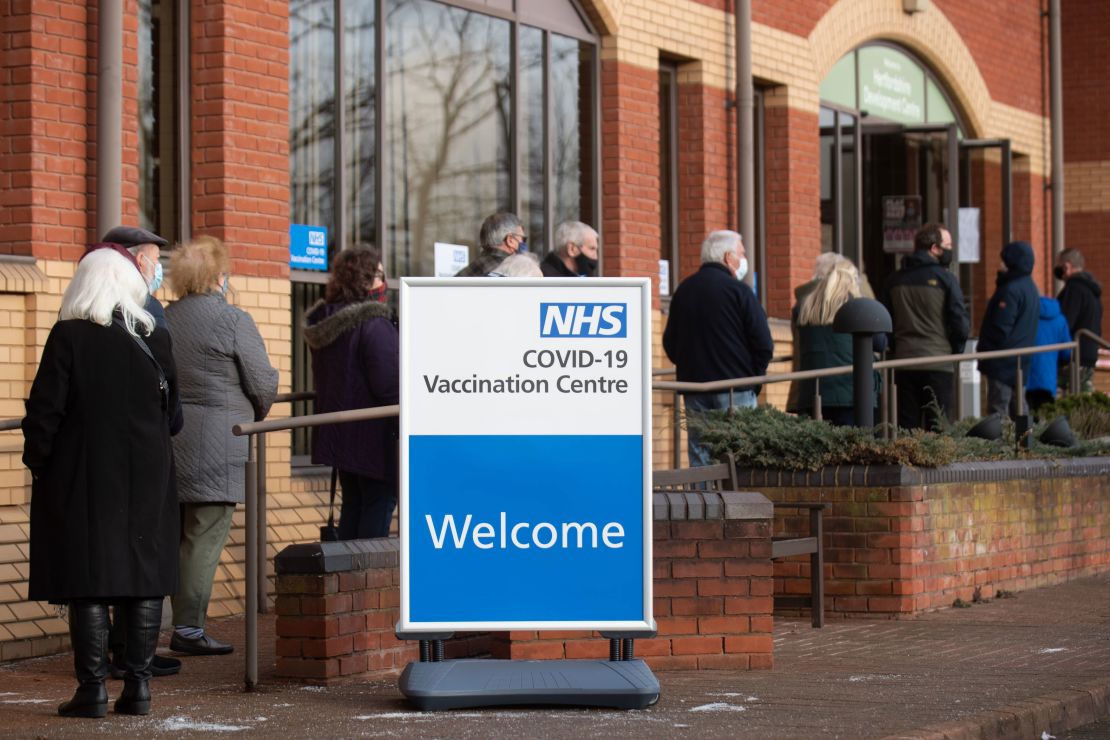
575	251
717	330
502	234
145	245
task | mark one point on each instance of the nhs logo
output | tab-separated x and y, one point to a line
583	320
317	238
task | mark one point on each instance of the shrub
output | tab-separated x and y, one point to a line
1088	413
766	438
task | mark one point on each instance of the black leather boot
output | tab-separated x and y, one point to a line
143	618
88	633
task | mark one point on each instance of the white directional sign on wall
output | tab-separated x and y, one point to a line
525	454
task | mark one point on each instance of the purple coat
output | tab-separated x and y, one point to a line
355	358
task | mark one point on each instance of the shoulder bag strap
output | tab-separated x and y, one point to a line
146	351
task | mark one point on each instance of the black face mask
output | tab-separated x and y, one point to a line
585	265
945	258
1058	271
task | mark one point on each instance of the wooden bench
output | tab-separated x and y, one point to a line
722	477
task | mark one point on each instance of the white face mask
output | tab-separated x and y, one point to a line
742	270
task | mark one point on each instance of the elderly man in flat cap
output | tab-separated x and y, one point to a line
145	245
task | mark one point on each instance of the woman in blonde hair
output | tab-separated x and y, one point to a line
820	347
226	378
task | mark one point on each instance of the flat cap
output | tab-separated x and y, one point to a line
132	236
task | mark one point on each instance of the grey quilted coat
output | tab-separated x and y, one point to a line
225	378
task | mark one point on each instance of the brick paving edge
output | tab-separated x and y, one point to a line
1055	712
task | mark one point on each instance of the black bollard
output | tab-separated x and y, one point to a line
863	318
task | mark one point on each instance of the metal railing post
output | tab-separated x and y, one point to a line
261	483
251	472
893	407
1019	390
817	414
676	454
1074	370
731	400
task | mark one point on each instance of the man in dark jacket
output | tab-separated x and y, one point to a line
929	317
575	252
1009	323
501	235
1081	301
717	330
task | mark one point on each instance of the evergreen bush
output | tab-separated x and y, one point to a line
1088	413
766	438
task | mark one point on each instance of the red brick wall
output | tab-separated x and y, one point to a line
47	127
335	626
905	550
630	170
713	603
706	198
792	185
1086	80
240	129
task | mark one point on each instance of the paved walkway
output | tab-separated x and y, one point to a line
1017	667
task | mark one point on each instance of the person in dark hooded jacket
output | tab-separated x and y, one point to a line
1009	323
1081	301
355	364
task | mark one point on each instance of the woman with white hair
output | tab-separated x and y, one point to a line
104	511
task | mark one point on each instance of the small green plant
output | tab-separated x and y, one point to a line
1088	413
1004	594
961	604
766	438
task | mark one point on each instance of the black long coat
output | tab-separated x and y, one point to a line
104	512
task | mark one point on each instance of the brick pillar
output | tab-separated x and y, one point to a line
713	590
706	198
630	170
240	129
47	127
337	604
792	184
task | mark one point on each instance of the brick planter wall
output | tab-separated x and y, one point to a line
712	590
899	541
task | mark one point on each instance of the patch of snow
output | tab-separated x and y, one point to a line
23	701
680	725
180	724
719	706
283	704
314	689
724	693
1052	650
1046	736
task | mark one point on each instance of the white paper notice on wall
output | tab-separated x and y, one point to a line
450	258
664	277
969	235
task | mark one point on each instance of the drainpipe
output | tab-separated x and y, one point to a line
745	147
109	115
1057	115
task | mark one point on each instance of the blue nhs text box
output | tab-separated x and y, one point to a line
537	497
308	247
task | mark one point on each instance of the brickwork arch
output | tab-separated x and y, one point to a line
929	35
604	14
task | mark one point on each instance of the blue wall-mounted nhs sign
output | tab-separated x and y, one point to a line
608	320
308	247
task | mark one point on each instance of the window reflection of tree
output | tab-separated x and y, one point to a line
449	105
360	99
311	111
566	99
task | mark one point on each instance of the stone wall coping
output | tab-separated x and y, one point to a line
864	476
338	557
688	505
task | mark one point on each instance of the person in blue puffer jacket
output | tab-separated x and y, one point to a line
1040	385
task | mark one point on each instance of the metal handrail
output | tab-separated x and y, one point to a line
10	424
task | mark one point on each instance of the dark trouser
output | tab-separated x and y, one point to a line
1001	399
917	390
839	416
367	509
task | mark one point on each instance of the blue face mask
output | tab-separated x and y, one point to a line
223	285
156	281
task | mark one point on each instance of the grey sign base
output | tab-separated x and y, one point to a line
462	684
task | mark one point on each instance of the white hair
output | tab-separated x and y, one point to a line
104	282
572	232
519	265
824	264
717	245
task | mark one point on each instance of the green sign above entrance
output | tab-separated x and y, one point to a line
891	85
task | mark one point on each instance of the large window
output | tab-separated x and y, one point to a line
160	191
410	121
